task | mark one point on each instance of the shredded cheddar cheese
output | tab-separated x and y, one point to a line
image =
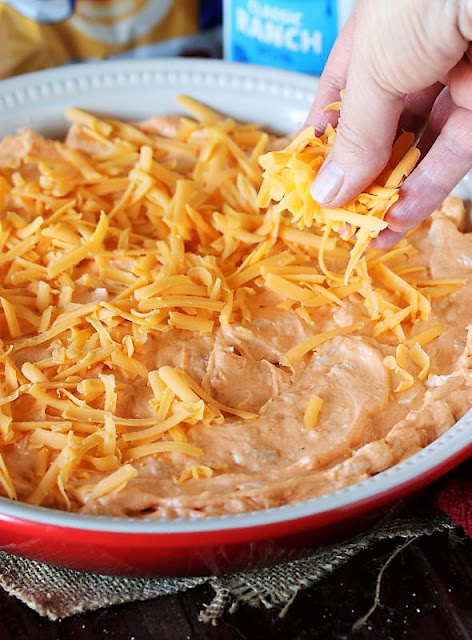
405	379
100	252
312	411
288	176
419	356
410	350
297	352
198	471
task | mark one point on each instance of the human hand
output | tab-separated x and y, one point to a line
405	64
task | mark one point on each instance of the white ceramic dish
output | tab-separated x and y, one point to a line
278	100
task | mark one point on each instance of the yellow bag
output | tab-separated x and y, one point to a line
94	29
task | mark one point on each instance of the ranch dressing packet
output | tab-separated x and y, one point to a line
288	34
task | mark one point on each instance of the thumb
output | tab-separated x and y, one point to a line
366	127
365	135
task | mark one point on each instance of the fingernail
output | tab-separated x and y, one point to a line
398	224
328	183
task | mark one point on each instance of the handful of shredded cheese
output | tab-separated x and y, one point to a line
126	232
288	175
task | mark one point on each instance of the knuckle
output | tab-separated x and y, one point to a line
458	151
425	194
434	184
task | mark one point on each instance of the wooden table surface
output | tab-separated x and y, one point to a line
426	592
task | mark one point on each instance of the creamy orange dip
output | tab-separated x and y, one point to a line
147	329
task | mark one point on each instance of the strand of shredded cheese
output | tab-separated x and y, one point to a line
312	411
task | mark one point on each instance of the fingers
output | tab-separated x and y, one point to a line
440	114
368	121
442	109
366	131
418	106
449	159
332	81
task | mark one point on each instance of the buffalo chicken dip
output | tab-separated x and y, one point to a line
184	332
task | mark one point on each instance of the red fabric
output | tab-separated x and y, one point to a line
454	496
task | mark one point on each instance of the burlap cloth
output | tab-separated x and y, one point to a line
57	593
